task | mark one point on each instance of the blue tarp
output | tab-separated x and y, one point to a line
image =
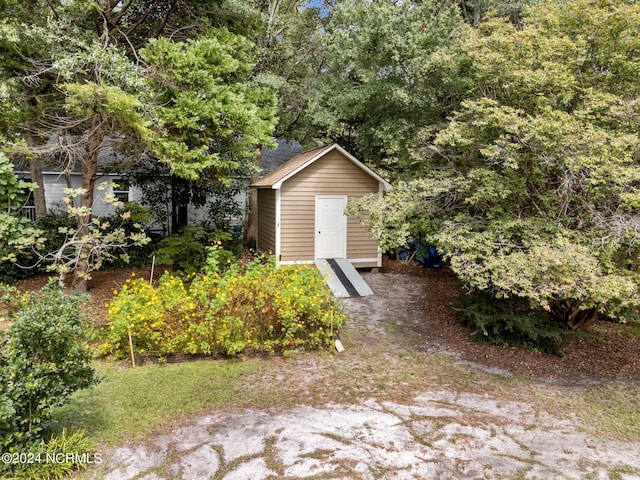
427	255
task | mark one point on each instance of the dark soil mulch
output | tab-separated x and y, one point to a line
605	351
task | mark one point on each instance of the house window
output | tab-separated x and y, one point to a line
121	190
29	208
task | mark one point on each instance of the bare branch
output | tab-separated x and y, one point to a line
116	18
142	18
53	9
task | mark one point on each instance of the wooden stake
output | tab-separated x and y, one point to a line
336	338
153	264
133	358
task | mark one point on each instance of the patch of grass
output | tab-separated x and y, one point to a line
521	474
635	330
337	438
620	472
611	411
391	326
130	403
318	454
271	458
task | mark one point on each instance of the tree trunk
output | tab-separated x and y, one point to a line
35	169
476	14
89	174
179	204
251	232
574	317
183	216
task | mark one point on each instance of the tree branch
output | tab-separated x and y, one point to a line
55	13
142	18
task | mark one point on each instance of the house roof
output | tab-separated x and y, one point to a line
272	158
303	160
111	160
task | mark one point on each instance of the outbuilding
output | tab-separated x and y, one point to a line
301	208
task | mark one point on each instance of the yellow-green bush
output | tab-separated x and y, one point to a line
258	308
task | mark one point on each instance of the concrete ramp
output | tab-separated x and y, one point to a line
342	277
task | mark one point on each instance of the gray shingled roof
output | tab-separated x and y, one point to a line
109	158
272	158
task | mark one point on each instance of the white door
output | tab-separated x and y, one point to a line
331	226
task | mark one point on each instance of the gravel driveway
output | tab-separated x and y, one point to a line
438	433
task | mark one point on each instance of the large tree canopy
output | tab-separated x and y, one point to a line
379	84
212	117
76	82
291	59
534	184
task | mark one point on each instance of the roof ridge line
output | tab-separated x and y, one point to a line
326	145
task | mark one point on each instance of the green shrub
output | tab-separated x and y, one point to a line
44	361
511	322
11	272
185	252
55	458
26	264
17	233
50	224
130	217
230	309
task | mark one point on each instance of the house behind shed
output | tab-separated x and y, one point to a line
301	208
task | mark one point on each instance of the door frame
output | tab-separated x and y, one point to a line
318	198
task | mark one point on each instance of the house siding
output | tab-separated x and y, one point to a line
266	241
55	185
333	174
197	215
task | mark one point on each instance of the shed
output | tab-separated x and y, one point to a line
301	208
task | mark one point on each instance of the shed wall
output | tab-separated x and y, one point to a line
266	220
333	174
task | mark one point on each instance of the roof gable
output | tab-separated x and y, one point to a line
277	177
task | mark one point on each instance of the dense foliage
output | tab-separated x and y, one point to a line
16	232
52	459
91	241
380	84
531	189
44	360
187	251
171	199
80	79
511	322
513	139
230	309
212	116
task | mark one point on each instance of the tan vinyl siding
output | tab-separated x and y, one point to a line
266	220
359	242
332	174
